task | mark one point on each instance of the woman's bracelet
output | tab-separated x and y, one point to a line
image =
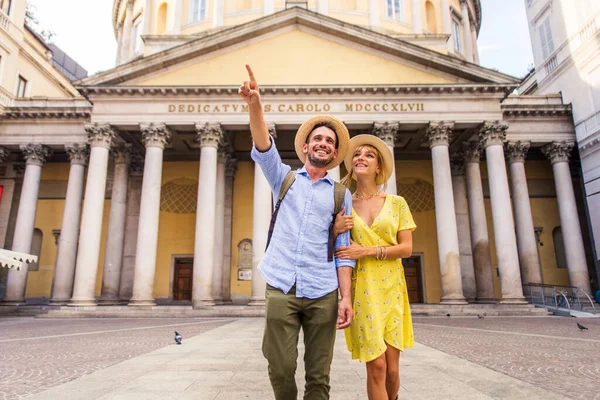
380	253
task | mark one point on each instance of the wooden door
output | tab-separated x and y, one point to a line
414	283
182	281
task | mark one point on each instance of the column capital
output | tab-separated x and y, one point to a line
558	151
230	166
35	154
272	130
4	153
493	133
471	151
439	133
100	135
155	135
516	152
209	134
386	131
78	153
122	153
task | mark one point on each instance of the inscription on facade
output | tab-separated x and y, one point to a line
383	107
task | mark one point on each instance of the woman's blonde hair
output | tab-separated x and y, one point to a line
347	180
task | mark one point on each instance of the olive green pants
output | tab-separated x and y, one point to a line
285	315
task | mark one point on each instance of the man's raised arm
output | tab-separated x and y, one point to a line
258	127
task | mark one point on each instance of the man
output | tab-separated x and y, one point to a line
302	282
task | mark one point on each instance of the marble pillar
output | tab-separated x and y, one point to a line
230	170
209	136
374	13
64	270
100	138
126	41
438	137
387	132
559	154
475	46
417	22
176	23
219	249
459	188
492	136
447	25
155	137
526	240
113	258
466	25
219	11
480	242
35	156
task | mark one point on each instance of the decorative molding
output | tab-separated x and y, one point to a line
122	153
386	131
4	153
155	135
45	113
516	152
493	133
439	133
100	135
558	151
472	152
209	134
35	154
78	153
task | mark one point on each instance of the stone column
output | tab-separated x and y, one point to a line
119	44
113	258
100	138
230	170
526	241
387	132
64	270
447	24
127	27
219	12
147	17
219	249
438	136
155	138
480	241
492	136
323	7
475	47
459	187
261	219
35	156
209	136
559	154
466	25
134	198
374	13
417	22
176	25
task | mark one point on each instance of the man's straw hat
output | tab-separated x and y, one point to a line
387	162
343	137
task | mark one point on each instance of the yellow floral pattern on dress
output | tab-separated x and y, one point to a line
381	308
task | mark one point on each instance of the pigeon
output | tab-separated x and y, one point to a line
177	337
447	315
581	327
479	316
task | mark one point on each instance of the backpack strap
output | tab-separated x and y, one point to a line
289	179
339	192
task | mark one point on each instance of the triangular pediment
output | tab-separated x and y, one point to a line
297	47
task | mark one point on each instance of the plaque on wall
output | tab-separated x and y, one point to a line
245	275
245	260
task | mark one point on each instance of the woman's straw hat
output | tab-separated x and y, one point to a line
387	161
343	137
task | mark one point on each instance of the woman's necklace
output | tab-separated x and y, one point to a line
366	197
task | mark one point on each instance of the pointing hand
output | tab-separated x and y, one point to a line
249	89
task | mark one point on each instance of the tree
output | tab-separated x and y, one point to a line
33	23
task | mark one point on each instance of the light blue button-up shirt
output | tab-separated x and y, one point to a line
297	253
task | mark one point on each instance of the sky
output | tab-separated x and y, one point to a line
86	34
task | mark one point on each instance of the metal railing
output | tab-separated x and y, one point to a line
561	299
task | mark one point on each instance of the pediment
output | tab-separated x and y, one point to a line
325	52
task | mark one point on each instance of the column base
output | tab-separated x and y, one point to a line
514	300
486	300
453	300
14	303
141	303
109	302
257	301
82	303
59	302
203	303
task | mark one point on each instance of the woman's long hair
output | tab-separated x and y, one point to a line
350	177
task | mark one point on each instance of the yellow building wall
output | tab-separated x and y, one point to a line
227	69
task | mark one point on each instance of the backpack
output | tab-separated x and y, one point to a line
339	192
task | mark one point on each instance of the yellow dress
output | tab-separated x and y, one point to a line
381	308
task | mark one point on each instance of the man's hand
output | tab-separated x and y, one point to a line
345	313
342	223
249	89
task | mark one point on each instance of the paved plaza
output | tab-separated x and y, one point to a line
455	357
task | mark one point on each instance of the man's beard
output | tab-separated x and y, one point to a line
319	162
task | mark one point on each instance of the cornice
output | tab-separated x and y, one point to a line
320	23
537	110
423	89
46	113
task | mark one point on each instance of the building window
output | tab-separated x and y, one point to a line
5	5
458	47
22	87
161	23
395	10
546	38
138	27
430	16
559	248
198	11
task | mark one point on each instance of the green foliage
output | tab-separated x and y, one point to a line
33	23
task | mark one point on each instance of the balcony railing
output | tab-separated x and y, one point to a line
4	21
6	98
551	65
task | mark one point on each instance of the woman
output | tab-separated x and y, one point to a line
381	229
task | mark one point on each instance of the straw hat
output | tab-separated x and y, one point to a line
343	137
387	161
